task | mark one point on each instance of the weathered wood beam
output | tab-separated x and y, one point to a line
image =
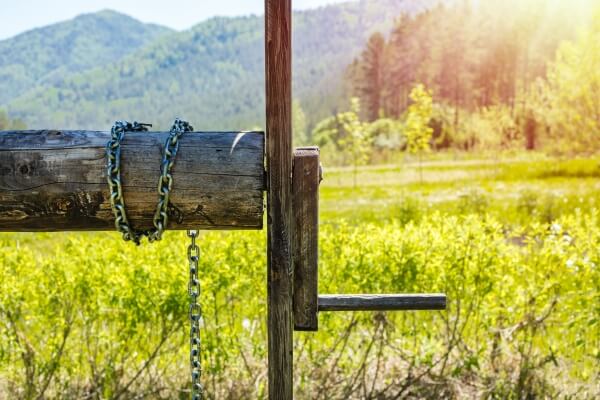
305	199
56	180
382	302
278	76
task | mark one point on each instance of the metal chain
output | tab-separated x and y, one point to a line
195	315
160	221
165	181
113	176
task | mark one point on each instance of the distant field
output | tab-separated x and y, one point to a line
513	190
515	244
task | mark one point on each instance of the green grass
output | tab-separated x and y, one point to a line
515	244
515	191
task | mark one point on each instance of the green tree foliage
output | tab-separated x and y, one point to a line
479	59
356	142
388	138
347	135
48	55
299	126
417	129
571	94
7	123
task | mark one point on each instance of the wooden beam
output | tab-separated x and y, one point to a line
56	180
278	75
305	199
382	302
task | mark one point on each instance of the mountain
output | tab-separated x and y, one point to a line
212	74
45	55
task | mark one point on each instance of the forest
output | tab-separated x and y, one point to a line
477	76
58	75
500	75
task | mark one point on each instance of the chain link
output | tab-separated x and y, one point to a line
165	181
113	176
195	315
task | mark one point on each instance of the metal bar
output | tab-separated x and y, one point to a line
382	302
278	75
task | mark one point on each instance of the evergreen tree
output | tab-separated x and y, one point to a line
369	76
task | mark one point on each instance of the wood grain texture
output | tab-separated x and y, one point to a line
278	74
382	302
56	180
305	200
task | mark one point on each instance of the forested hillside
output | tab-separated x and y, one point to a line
45	56
500	75
212	74
470	55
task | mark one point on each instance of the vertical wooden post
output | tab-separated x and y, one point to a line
305	243
278	75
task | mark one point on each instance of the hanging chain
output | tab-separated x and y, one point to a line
113	176
195	315
160	221
165	181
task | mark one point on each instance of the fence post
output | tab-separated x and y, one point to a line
278	66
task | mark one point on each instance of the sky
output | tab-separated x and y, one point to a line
17	16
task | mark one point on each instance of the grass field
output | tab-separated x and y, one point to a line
514	243
515	190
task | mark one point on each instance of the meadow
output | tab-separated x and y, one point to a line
513	241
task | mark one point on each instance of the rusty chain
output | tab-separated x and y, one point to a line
160	221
